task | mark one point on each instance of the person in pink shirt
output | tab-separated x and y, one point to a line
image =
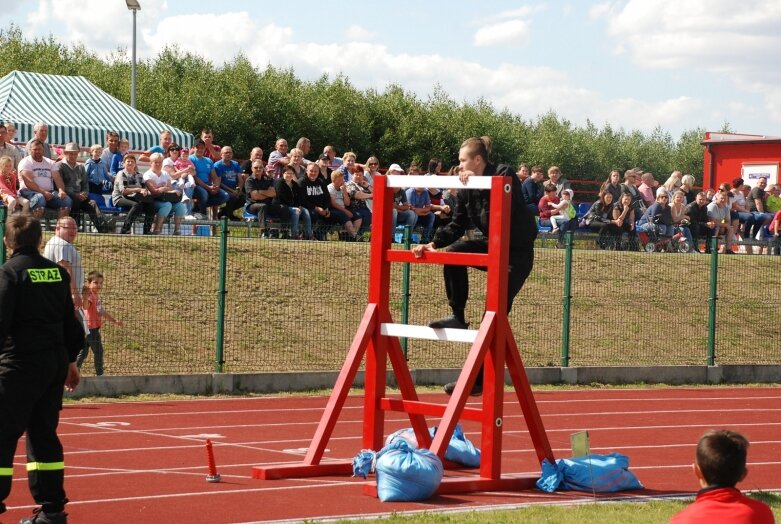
9	186
647	189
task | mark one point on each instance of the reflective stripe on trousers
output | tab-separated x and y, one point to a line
45	466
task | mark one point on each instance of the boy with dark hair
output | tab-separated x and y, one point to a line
720	463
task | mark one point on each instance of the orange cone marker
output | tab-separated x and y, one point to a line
213	476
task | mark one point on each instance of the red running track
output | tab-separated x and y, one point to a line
145	462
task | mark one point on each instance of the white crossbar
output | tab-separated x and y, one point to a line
441	182
425	332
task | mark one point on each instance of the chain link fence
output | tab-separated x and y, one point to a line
295	305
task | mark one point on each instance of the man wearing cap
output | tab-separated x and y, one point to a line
38	180
323	163
74	178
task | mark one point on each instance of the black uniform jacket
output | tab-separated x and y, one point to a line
473	210
36	310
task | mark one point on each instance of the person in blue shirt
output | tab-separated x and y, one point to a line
100	181
117	163
231	181
420	202
207	184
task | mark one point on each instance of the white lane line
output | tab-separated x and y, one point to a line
272	398
508	395
194	494
545	416
252	444
155	433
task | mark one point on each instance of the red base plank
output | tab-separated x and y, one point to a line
302	470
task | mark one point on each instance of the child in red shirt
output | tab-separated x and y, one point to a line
94	314
720	465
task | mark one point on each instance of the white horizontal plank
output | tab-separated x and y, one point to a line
441	182
425	332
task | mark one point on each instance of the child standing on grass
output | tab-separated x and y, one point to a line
94	313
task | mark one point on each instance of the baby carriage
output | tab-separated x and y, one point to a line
653	240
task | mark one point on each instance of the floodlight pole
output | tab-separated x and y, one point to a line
134	6
133	66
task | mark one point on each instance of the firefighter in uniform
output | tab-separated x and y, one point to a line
39	340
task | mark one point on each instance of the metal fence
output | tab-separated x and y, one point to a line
233	303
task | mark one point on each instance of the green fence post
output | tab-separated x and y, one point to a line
567	299
3	212
405	289
219	361
714	270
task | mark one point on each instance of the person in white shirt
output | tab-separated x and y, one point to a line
38	180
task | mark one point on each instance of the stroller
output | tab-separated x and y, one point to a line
653	241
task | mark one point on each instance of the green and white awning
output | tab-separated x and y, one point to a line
76	111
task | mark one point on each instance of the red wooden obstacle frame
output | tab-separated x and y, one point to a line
493	346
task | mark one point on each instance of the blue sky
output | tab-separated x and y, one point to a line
635	64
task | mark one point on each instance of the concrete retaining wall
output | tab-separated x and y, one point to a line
229	383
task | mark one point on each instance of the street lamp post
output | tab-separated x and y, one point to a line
134	6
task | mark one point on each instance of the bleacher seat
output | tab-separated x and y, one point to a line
103	202
541	228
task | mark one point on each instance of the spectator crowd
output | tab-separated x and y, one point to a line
312	195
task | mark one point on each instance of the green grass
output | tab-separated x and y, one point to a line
586	513
295	306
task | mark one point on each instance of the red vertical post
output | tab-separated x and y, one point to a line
496	301
379	294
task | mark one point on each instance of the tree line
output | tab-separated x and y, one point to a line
247	106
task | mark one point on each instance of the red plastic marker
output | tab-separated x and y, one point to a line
213	476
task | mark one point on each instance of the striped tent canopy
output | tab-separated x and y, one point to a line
75	110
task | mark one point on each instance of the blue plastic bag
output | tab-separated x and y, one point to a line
407	434
600	473
460	449
406	474
363	463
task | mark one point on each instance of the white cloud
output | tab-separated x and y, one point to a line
110	27
521	12
356	33
240	35
529	91
712	35
509	32
737	41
